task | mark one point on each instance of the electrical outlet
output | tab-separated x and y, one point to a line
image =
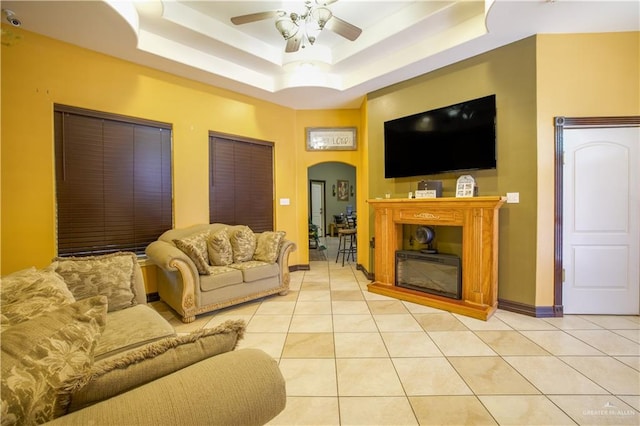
513	197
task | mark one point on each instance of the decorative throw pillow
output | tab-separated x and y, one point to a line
219	248
243	243
44	357
195	246
28	293
111	275
13	281
142	365
268	246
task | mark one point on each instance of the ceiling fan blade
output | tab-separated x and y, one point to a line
343	28
293	44
253	17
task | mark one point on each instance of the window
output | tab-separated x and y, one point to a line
113	182
241	182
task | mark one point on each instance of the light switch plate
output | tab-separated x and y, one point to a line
284	201
513	197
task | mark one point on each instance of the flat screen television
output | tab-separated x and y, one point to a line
449	139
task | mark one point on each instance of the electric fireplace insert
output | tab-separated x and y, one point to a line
438	274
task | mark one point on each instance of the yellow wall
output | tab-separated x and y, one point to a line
357	158
365	257
534	79
306	159
579	75
38	72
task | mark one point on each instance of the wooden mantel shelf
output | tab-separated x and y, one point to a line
478	217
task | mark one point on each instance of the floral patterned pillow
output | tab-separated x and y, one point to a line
243	242
268	246
44	357
219	248
111	275
195	246
31	292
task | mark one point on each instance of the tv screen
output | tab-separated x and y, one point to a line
453	138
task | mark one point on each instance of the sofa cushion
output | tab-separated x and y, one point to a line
114	376
28	293
112	275
268	246
243	242
220	276
219	248
130	328
44	357
255	270
195	246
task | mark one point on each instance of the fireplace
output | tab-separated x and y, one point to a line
429	272
478	217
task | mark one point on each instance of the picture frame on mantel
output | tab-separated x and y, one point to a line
466	187
331	138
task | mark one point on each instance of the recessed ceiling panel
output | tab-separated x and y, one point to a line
399	39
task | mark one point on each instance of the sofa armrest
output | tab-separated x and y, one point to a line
166	255
286	248
181	272
243	387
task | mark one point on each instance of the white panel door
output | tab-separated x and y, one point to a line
601	221
317	201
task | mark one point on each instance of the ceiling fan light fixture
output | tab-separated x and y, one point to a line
320	16
300	29
286	27
311	31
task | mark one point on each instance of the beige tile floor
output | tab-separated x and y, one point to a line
351	357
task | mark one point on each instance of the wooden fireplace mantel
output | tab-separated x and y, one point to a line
478	217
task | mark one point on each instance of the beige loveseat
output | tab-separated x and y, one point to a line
207	267
81	346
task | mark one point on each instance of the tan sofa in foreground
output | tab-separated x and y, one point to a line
206	267
81	346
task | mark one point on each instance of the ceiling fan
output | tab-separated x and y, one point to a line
299	28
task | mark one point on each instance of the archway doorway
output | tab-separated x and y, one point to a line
339	195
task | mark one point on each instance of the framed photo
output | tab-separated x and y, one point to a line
331	138
343	190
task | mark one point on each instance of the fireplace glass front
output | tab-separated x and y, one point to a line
438	274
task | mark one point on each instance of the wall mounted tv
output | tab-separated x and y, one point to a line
449	139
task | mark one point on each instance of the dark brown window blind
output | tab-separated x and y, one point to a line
113	182
241	182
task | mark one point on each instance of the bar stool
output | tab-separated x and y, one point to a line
347	242
339	222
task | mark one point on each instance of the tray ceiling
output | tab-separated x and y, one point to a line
400	39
